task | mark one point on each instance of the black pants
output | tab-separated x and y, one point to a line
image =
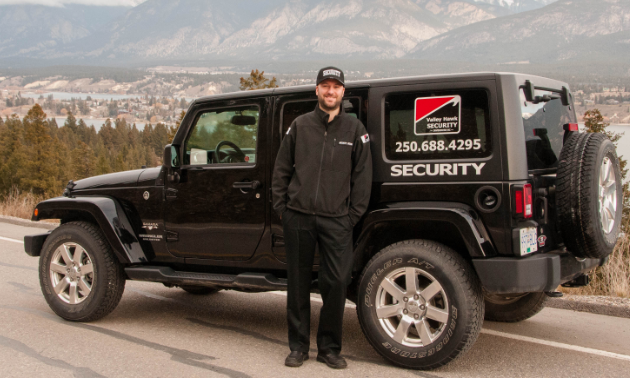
302	232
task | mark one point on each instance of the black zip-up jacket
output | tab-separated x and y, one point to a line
324	168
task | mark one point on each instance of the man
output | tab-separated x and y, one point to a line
321	188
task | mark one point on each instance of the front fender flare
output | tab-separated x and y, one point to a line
108	214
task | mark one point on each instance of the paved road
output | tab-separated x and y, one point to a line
160	332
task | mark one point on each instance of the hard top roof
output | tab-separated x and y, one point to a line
384	82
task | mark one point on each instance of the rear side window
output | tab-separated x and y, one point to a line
543	123
437	125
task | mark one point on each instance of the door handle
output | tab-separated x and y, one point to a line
171	194
246	184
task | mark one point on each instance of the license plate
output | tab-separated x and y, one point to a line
529	240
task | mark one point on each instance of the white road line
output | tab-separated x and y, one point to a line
11	240
576	348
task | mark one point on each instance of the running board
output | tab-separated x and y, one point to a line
243	281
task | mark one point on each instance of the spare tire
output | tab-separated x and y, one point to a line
589	195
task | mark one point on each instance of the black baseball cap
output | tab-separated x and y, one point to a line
330	73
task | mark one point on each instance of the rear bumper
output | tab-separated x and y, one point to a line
544	272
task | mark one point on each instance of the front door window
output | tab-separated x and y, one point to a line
224	137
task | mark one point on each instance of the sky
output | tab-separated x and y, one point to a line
60	3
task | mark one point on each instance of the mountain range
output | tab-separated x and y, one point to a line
180	31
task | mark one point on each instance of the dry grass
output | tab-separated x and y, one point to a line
613	279
19	204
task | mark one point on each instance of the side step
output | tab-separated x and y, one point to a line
243	281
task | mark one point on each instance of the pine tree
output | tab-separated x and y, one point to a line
172	130
257	80
83	161
38	172
11	153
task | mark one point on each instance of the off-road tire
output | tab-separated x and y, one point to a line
463	301
199	290
109	277
513	308
577	195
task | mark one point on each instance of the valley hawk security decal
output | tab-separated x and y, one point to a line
437	115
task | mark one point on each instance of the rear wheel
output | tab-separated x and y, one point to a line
80	277
511	308
420	304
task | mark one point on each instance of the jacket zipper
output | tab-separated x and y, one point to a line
332	156
319	176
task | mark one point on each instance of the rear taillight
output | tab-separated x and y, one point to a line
518	201
523	201
570	127
528	201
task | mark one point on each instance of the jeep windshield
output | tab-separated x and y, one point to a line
543	123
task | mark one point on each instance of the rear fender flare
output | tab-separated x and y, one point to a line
108	214
462	217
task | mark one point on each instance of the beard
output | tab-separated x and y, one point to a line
325	106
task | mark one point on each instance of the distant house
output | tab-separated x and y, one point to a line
612	102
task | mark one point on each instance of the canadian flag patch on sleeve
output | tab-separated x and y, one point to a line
365	138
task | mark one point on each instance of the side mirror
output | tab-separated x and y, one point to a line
530	91
170	157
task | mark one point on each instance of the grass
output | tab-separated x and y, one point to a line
19	204
612	279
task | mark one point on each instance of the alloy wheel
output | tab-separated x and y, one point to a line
72	273
412	307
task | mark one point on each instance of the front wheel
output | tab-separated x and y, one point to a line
420	304
80	277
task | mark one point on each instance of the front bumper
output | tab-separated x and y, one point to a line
33	244
543	272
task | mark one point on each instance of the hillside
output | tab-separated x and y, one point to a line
159	30
564	30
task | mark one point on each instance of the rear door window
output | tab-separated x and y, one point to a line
543	123
437	125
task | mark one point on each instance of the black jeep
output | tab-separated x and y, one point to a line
485	198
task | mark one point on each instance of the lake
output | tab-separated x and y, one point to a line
82	96
98	122
95	96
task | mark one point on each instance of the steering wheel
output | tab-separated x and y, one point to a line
238	155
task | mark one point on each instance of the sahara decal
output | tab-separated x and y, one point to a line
437	115
437	169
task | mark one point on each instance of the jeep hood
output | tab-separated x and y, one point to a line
142	177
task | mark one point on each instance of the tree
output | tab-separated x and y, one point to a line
172	130
257	80
594	123
39	170
83	161
11	153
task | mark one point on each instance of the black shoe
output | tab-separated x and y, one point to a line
333	360
296	359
